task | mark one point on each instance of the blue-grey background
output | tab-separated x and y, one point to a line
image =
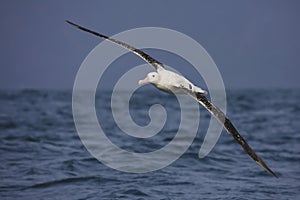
254	43
255	46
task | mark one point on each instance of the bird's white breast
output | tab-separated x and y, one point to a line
171	81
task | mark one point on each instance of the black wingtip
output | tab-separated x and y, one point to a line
231	130
87	30
263	165
71	23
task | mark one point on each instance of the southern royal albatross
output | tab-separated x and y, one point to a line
171	82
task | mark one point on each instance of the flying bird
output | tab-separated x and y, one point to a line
172	82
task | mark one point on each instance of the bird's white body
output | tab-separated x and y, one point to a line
172	82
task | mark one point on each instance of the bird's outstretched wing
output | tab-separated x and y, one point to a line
220	116
156	64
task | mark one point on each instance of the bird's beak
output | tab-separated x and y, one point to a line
204	92
146	80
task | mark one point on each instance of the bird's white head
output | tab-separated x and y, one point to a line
152	77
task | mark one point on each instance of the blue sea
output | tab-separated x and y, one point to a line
42	156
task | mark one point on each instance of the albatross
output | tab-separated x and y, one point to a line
172	82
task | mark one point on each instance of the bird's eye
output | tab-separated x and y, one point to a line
153	76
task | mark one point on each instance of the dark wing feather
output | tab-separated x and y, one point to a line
156	64
220	116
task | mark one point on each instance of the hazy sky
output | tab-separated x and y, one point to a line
255	44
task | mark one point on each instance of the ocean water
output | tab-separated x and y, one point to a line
42	156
